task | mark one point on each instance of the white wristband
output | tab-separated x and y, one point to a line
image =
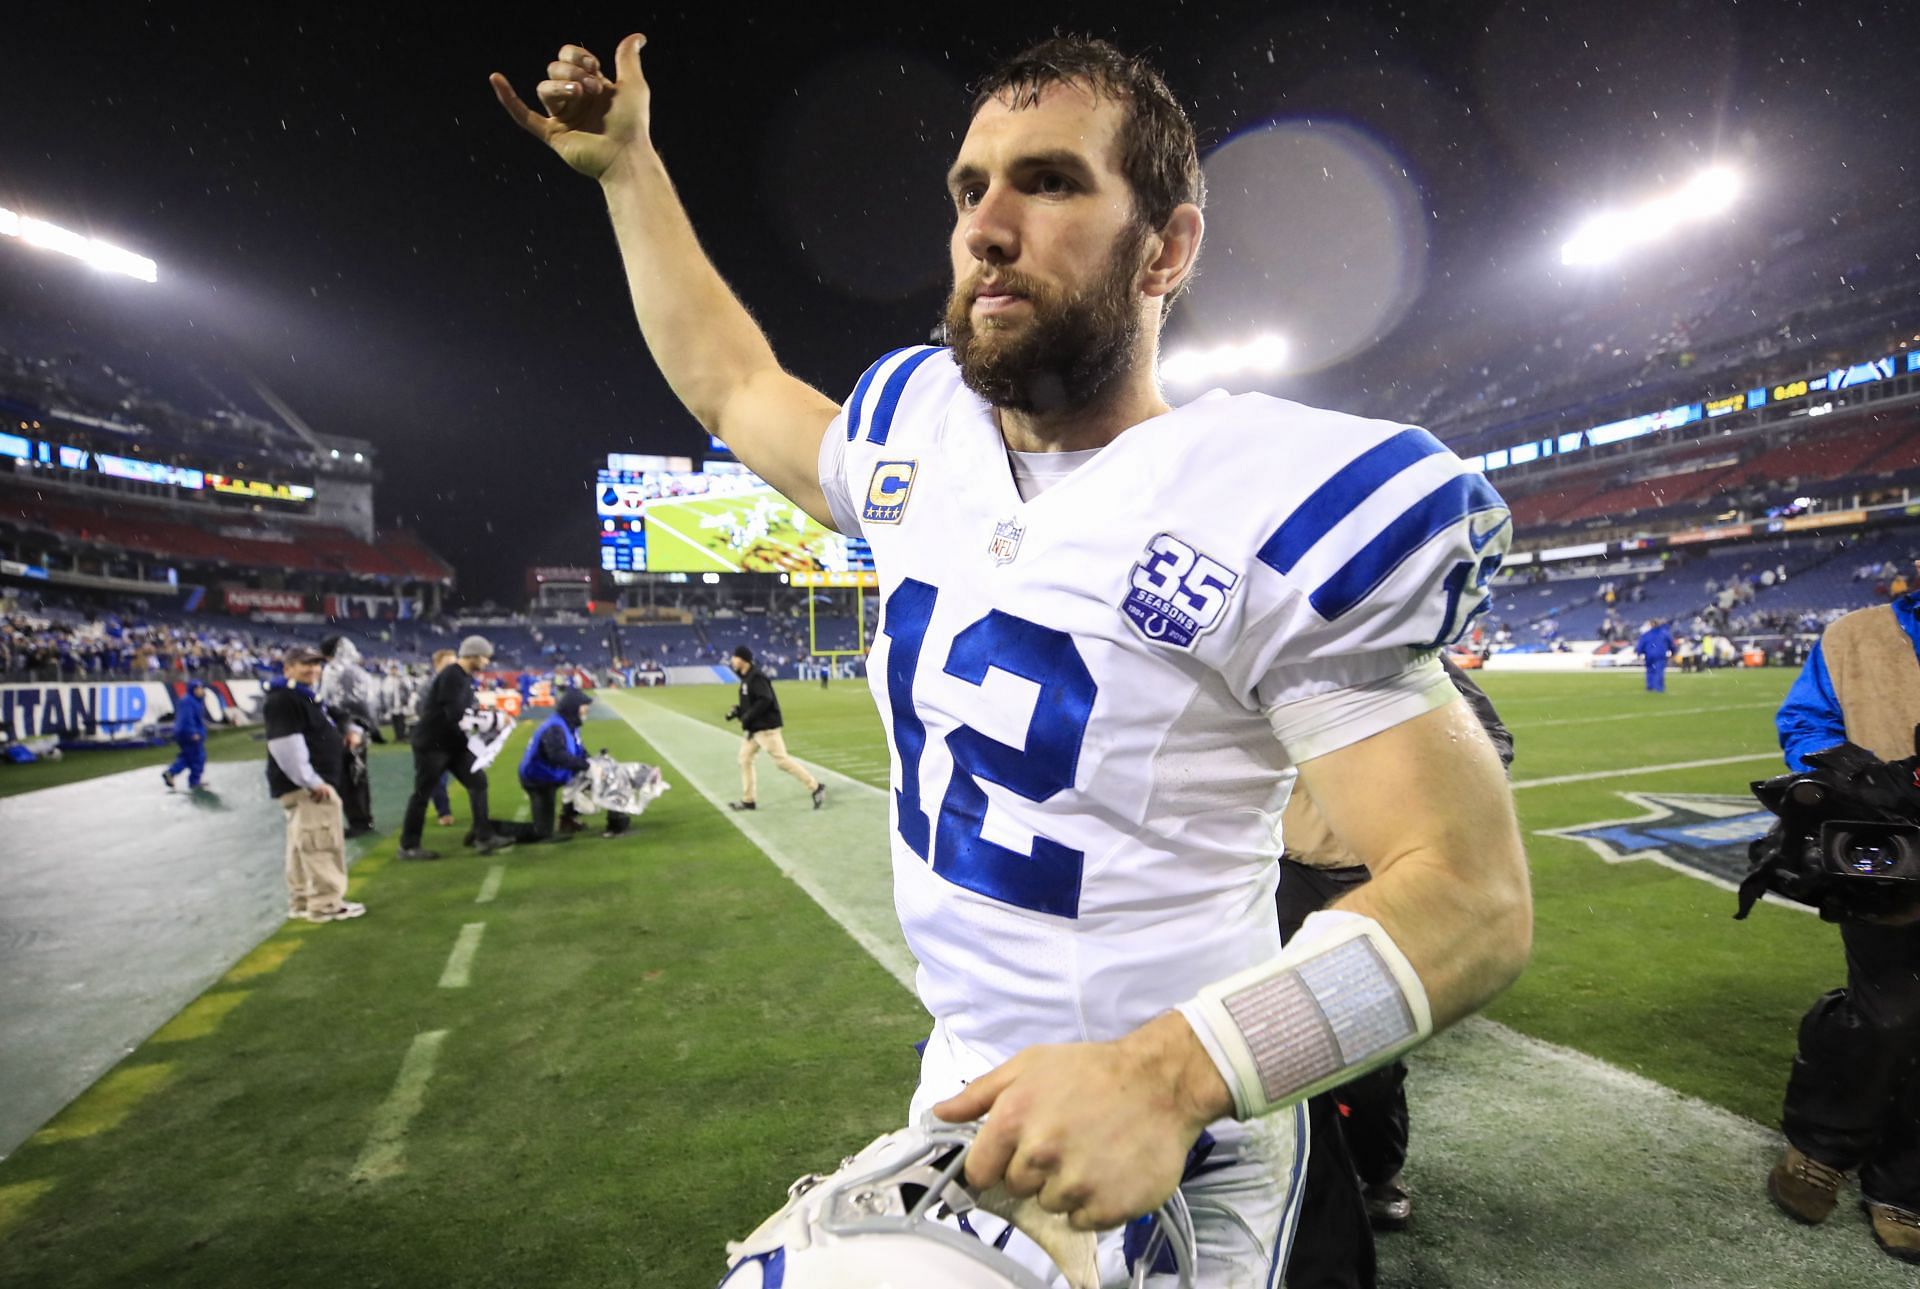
1341	999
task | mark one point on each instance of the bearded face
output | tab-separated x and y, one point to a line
1064	350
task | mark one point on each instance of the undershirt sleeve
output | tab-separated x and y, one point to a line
1327	721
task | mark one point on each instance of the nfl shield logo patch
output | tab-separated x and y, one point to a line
1006	541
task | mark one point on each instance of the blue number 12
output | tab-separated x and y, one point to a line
1047	878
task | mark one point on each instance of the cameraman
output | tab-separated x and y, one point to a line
1853	1100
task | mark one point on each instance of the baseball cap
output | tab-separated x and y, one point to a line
305	653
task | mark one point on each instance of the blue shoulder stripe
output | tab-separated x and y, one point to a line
1461	496
856	406
890	395
1341	495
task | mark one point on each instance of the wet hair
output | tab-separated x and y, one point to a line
1158	153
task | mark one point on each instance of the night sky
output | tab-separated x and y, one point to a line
402	264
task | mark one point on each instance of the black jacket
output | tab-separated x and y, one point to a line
447	700
758	709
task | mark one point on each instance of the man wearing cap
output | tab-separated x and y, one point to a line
758	712
305	751
440	747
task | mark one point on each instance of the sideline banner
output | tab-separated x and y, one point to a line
113	709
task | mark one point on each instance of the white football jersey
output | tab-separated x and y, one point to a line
1096	698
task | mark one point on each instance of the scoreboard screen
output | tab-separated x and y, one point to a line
725	520
623	546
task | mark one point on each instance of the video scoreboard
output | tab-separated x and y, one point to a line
660	515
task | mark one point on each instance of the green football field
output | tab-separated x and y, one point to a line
714	535
594	1064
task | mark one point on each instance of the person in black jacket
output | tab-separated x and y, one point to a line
554	755
440	747
1360	1130
758	712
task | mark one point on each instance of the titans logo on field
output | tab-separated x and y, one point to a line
1175	594
1700	834
887	492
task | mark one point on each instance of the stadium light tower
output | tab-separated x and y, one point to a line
88	250
1608	236
1263	355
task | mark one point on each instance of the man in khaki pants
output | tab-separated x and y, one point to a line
304	751
758	712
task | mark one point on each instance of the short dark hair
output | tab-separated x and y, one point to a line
744	654
1158	152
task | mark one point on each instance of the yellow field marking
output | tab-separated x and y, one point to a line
15	1200
262	960
106	1103
200	1017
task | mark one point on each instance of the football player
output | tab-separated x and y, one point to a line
1114	632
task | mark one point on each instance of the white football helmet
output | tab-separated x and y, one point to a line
877	1224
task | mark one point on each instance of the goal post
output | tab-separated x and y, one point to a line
849	589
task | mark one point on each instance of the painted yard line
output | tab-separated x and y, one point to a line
460	962
491	887
1645	769
839	856
1563	1122
384	1155
1640	716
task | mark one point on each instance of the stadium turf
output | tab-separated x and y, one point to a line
658	1032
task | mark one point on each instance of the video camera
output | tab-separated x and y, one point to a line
1848	838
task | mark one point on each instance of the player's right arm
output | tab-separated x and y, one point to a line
705	342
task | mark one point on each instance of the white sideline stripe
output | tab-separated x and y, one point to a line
460	961
1641	716
1704	1164
491	887
384	1154
661	523
854	886
1645	769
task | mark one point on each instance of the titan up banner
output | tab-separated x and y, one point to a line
113	709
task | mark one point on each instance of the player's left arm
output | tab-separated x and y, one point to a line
1426	807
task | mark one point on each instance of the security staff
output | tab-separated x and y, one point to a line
1853	1099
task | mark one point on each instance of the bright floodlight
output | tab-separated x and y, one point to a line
1263	355
89	250
1607	237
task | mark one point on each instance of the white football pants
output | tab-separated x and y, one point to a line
1245	1195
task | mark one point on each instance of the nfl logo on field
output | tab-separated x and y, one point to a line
1006	541
887	492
